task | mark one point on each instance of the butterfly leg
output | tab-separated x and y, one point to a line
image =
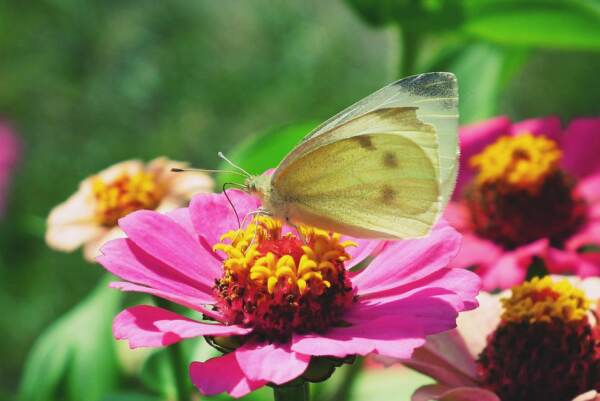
291	224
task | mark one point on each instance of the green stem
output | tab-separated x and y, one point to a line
298	392
410	45
178	364
345	386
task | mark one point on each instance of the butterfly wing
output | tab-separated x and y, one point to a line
380	183
434	97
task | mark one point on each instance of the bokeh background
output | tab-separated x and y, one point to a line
86	84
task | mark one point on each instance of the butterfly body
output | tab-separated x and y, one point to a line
383	168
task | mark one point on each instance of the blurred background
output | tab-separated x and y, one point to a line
85	84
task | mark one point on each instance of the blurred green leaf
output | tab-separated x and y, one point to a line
262	152
129	397
74	359
483	71
377	383
158	375
544	25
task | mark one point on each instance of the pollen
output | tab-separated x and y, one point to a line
126	194
520	162
543	300
280	283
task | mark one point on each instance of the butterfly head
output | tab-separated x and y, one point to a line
258	185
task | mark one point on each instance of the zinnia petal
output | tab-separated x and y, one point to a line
222	374
271	362
149	326
581	142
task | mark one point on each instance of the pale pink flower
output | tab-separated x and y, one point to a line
89	217
9	155
453	358
274	302
504	235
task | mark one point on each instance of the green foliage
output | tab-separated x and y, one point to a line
261	152
75	359
560	27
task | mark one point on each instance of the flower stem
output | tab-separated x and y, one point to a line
177	361
298	392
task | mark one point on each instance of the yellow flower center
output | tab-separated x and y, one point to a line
126	194
543	300
517	162
270	258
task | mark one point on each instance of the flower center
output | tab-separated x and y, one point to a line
280	284
521	195
545	347
126	194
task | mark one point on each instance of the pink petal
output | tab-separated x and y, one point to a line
445	358
389	337
189	302
473	139
591	395
445	393
222	374
476	325
581	142
364	249
271	362
458	216
549	127
149	326
476	252
9	155
164	239
402	262
125	259
182	217
511	268
213	216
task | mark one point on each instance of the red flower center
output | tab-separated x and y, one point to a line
521	195
544	348
280	284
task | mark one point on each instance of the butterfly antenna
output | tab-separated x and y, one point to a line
232	164
237	216
184	170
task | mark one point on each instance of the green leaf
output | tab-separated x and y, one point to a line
483	71
262	152
157	374
75	359
130	397
557	26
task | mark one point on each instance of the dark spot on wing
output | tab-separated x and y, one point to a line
388	194
365	142
390	160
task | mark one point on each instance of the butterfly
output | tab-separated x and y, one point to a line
384	168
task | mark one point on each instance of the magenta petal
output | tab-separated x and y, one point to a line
189	302
395	338
473	138
364	249
164	239
402	262
549	127
445	393
222	374
476	251
271	362
182	217
511	268
581	142
125	259
149	326
213	216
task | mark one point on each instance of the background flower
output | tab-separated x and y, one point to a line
528	191
542	339
89	217
283	302
9	155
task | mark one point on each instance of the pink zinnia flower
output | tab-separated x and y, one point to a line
275	303
9	155
89	217
537	342
528	192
